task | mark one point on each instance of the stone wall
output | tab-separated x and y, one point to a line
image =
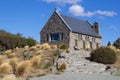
55	25
84	40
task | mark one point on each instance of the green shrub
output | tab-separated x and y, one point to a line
103	55
63	47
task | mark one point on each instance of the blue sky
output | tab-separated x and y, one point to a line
29	16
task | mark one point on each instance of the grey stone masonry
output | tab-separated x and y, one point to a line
53	26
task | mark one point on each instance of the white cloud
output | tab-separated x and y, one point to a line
63	1
106	13
79	10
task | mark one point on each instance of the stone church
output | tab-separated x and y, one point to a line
73	32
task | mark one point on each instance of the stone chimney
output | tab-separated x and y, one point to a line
96	27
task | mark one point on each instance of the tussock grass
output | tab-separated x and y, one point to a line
1	59
6	68
36	61
8	52
10	77
33	48
39	46
39	52
26	47
23	67
53	47
113	48
17	48
46	46
12	55
14	62
62	67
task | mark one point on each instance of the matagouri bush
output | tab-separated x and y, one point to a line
104	55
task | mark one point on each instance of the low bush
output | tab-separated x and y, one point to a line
39	52
23	67
14	62
36	61
1	59
103	55
63	47
26	47
62	67
8	52
38	46
112	47
33	48
5	68
12	55
46	46
53	47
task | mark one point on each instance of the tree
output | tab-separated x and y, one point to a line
109	43
117	43
10	41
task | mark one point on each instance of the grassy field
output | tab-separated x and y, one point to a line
27	62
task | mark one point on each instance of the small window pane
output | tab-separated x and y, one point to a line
54	36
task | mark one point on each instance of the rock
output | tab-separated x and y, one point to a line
76	62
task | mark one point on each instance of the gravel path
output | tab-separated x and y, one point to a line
76	76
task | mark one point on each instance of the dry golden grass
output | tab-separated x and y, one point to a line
118	50
12	55
38	46
36	61
8	52
33	48
10	77
39	52
63	67
117	63
6	60
112	47
1	59
46	46
6	68
53	47
23	67
17	48
26	47
14	62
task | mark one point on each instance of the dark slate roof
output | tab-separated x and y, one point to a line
79	26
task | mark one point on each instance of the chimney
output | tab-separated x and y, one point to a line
96	27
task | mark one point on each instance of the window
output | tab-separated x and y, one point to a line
80	36
93	39
54	36
87	38
97	45
47	37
